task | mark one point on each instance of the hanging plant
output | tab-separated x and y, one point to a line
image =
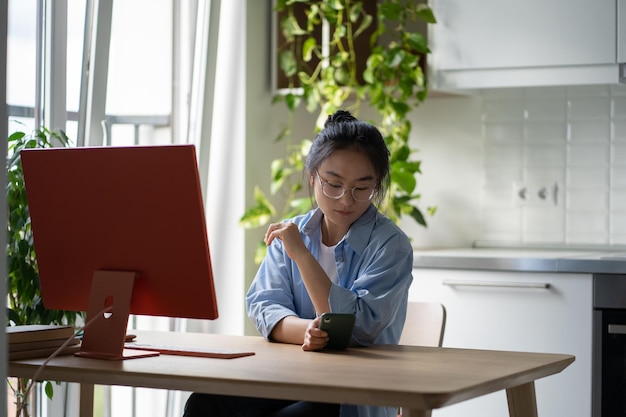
373	57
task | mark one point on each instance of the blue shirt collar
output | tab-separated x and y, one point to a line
358	234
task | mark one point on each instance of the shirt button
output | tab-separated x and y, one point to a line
340	258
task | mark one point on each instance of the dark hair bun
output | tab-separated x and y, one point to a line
340	116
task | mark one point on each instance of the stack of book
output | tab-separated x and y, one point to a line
39	340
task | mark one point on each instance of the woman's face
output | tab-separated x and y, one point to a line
347	169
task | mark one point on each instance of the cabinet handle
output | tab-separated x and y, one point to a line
617	329
497	284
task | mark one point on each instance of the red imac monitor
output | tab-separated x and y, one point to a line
121	229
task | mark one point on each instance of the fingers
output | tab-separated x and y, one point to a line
271	233
277	230
315	341
314	338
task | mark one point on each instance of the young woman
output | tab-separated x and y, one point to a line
343	256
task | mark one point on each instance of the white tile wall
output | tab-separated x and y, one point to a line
574	137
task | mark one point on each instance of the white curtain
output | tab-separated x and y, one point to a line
215	124
217	129
221	159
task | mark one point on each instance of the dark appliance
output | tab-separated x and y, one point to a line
609	345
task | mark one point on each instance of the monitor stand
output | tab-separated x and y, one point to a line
104	337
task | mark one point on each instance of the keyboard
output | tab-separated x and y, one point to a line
188	351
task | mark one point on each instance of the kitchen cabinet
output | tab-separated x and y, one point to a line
520	311
492	43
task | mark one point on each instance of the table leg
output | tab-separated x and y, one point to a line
415	413
86	400
522	400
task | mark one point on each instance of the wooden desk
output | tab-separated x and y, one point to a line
417	378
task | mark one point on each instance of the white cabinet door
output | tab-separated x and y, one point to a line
540	312
493	43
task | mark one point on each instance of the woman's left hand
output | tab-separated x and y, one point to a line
314	338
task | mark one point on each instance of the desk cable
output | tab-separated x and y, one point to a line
55	353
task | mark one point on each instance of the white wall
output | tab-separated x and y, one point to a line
478	151
447	133
571	136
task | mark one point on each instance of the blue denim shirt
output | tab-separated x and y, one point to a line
374	264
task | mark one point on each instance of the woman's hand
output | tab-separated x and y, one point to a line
289	234
314	338
313	275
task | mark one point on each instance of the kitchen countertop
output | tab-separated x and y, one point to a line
605	261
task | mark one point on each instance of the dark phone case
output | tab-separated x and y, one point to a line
339	327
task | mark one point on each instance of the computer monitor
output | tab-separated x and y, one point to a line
119	227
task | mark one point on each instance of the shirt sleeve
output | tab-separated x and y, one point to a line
270	297
378	294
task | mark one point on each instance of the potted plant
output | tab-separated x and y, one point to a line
25	305
387	74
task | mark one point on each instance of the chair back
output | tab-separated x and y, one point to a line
425	324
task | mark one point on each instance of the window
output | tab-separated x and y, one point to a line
146	56
139	65
46	71
139	87
21	65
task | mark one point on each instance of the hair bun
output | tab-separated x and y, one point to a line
340	116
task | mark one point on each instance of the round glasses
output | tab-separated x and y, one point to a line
336	191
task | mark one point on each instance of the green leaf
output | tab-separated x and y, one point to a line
426	14
401	153
417	41
278	174
421	95
307	51
312	99
390	11
255	217
405	180
342	77
340	32
291	28
287	62
395	58
413	166
418	77
368	76
292	101
49	389
417	215
336	4
259	214
313	17
15	137
365	23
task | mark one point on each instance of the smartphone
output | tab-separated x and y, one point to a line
339	327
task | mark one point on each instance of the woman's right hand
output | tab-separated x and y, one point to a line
314	338
289	234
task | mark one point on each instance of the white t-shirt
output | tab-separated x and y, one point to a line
327	262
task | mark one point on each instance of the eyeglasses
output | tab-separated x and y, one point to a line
336	191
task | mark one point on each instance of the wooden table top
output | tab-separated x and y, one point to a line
420	378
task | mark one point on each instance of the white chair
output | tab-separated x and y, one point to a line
424	326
